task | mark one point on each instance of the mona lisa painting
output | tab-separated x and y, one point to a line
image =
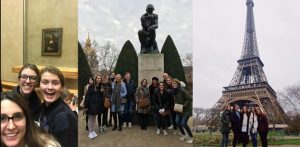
51	42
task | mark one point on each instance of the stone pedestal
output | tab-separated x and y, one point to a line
150	65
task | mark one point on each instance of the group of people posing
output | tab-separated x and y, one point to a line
117	98
249	121
34	114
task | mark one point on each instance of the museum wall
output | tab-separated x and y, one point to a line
11	38
45	14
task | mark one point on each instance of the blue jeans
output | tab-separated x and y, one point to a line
254	139
225	139
181	122
128	111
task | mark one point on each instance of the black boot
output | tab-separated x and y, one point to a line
114	128
120	128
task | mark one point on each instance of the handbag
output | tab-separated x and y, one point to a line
123	101
178	108
107	102
143	102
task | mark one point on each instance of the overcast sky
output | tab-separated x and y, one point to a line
218	33
119	20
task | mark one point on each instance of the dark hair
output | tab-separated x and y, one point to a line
32	134
126	73
90	78
55	71
155	78
143	81
30	66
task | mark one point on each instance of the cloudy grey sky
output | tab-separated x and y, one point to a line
218	33
119	20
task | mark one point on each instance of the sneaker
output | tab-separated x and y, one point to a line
171	127
175	132
101	130
91	135
165	132
189	140
104	128
158	131
94	133
182	138
124	125
129	125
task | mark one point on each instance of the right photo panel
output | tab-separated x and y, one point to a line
246	83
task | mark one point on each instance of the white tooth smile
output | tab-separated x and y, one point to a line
11	134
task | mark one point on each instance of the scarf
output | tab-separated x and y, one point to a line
116	98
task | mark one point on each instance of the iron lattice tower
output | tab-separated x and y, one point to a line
249	84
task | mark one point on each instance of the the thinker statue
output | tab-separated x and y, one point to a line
147	35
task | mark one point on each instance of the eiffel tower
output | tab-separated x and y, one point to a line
249	85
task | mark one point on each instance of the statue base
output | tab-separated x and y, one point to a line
150	65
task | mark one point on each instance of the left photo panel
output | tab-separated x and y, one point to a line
39	73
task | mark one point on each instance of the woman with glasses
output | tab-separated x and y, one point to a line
56	117
27	82
17	125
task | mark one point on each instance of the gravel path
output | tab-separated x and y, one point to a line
133	137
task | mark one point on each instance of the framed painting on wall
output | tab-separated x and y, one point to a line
52	41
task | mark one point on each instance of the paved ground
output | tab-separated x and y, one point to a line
133	137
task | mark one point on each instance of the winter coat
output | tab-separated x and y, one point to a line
107	87
94	100
225	122
117	106
161	100
235	119
32	100
59	120
253	124
246	121
140	93
263	125
181	96
131	89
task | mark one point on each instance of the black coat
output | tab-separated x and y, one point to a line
152	90
32	100
131	89
59	120
236	121
94	100
161	100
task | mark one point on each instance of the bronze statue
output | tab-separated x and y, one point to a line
147	35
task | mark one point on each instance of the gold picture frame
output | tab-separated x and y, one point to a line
52	42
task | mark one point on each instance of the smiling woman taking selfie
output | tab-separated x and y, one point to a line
56	117
27	82
17	125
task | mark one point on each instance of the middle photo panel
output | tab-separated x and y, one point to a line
135	73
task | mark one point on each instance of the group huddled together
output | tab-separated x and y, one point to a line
249	121
117	98
35	113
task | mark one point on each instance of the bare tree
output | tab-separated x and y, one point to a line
187	62
107	56
289	98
